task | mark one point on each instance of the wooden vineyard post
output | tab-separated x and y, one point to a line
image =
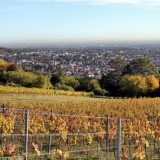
159	149
26	134
50	135
1	132
118	138
50	143
107	137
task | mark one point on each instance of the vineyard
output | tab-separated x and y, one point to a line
75	129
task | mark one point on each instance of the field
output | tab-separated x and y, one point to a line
39	98
75	126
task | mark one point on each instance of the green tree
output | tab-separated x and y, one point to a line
117	64
57	77
71	81
110	81
3	79
143	66
25	79
42	81
87	84
94	84
90	85
84	84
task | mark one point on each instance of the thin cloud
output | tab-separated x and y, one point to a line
116	1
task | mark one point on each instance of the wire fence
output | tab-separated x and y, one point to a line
38	135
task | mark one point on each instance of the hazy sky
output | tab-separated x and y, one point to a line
79	20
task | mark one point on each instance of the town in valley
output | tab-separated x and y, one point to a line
91	60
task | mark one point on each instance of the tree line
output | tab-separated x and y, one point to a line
134	78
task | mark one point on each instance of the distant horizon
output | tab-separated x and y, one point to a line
123	43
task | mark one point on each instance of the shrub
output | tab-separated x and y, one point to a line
66	88
99	91
28	79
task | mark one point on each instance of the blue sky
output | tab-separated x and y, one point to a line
78	20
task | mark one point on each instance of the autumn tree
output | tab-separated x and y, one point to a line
133	85
13	67
152	82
